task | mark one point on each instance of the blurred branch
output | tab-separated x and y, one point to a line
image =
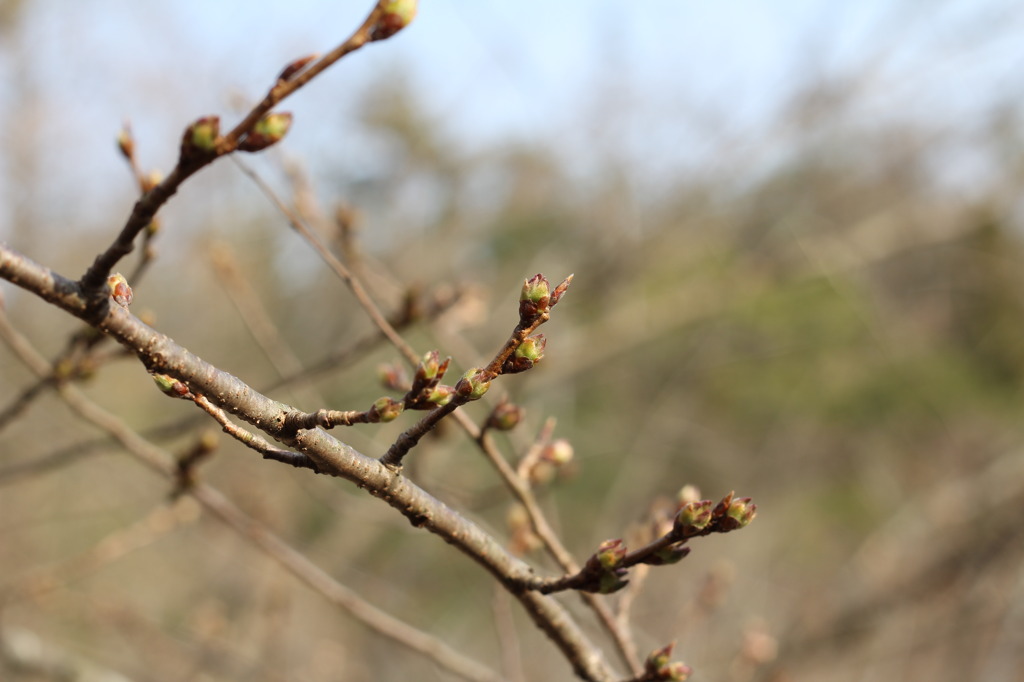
254	531
162	355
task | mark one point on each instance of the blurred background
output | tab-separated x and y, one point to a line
796	234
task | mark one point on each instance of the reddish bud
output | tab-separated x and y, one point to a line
560	290
294	67
394	16
393	377
505	417
267	131
119	289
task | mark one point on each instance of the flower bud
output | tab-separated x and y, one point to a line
532	348
267	131
560	290
395	15
119	289
609	554
385	410
668	555
294	67
659	658
441	395
392	377
688	493
171	386
505	417
740	513
535	297
676	671
694	516
473	384
200	139
558	451
125	142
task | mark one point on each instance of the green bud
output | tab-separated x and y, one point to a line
532	348
385	410
441	395
694	516
267	131
535	297
742	511
171	386
200	139
473	384
668	555
610	553
394	16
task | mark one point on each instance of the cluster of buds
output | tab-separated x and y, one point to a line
659	666
384	410
267	131
200	139
119	289
703	516
605	566
537	297
528	353
171	386
394	16
427	391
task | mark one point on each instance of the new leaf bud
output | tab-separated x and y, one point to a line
473	384
200	138
171	386
535	297
395	15
267	131
694	516
119	289
505	417
385	410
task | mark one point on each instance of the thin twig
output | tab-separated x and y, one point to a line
260	535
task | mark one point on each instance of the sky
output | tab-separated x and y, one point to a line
666	85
